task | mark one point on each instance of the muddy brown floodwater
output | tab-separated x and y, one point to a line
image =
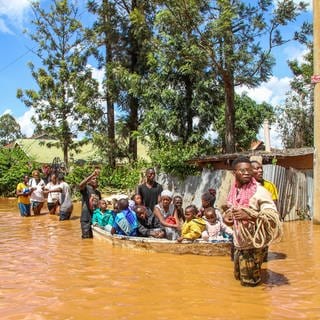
48	272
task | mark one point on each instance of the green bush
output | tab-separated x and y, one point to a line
13	166
124	178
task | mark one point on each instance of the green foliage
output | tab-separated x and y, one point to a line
173	157
13	166
123	178
228	33
295	116
249	117
9	129
66	100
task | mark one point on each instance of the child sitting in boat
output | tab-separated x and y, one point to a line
193	226
137	199
216	230
149	225
177	202
167	215
103	217
125	221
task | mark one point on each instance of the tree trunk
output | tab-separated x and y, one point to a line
229	115
108	93
133	101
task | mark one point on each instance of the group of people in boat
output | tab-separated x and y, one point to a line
151	212
249	217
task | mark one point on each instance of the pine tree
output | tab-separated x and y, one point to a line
66	101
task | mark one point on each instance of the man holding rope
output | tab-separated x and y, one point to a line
255	221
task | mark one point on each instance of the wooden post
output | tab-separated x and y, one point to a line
316	71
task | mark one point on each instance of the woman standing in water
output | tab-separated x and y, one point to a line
23	193
37	195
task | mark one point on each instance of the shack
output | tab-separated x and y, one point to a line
290	170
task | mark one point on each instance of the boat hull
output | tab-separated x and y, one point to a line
164	245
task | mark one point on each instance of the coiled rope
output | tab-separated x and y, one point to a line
267	225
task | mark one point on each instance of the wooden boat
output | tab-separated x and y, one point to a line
164	245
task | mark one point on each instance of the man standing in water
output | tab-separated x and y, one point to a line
150	190
257	172
90	199
255	222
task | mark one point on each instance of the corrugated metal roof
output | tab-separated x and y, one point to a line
38	150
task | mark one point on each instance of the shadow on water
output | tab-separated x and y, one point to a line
276	256
273	279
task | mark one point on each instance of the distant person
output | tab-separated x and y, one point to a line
167	215
150	190
65	200
103	217
66	205
255	222
257	172
53	200
37	197
90	200
125	220
215	229
23	193
178	202
193	227
149	225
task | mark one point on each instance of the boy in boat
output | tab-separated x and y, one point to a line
103	217
193	226
215	229
150	190
255	222
177	202
149	225
125	221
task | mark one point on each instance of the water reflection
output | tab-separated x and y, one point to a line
48	272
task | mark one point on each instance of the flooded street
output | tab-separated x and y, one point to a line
49	272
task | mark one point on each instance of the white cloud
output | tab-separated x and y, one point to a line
12	13
272	92
295	52
4	28
27	127
6	111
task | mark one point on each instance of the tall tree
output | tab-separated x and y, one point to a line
66	102
105	33
295	116
9	129
124	28
238	38
137	25
181	92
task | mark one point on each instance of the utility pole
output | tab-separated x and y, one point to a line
316	78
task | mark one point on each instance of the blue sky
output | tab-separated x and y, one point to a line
15	53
